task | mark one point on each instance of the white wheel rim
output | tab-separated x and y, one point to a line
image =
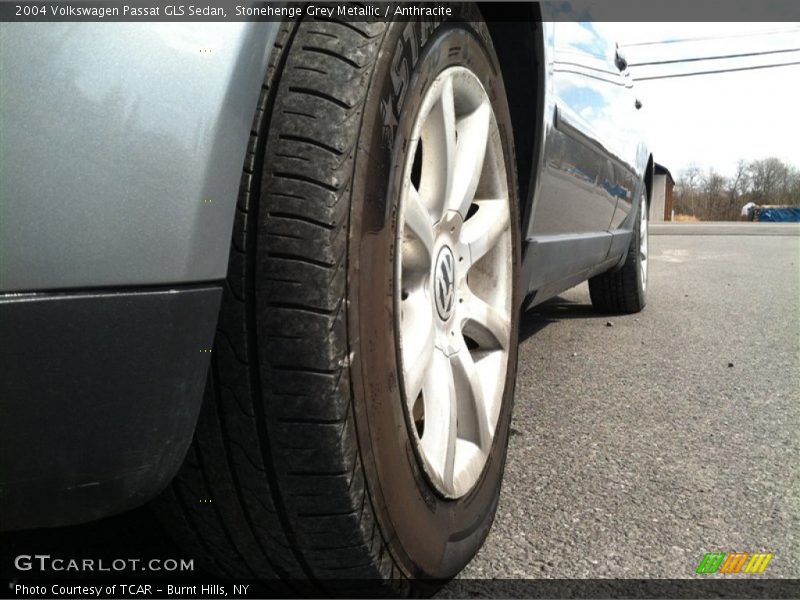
643	232
453	281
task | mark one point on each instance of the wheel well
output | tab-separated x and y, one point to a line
648	181
517	37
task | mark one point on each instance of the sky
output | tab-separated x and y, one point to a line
714	120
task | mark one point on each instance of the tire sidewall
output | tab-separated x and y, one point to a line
429	537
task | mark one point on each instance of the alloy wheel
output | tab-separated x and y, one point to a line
453	281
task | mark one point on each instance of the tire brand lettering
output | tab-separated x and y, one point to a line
404	60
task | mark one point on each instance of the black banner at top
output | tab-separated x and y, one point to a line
248	10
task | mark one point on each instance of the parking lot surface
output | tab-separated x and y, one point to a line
642	442
639	443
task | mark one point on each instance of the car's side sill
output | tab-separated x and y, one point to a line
555	263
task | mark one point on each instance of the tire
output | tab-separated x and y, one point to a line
305	465
624	290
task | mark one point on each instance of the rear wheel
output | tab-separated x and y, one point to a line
356	415
624	290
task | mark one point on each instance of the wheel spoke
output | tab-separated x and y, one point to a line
643	241
487	325
473	421
419	223
439	438
485	228
643	237
439	150
418	343
473	135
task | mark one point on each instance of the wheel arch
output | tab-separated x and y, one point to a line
518	40
648	181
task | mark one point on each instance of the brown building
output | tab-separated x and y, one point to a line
661	202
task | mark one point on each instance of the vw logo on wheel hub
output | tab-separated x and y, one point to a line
444	283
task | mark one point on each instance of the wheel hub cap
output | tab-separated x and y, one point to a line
444	274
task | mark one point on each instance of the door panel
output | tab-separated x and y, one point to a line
591	162
586	161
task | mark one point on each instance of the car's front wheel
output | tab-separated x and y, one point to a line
357	411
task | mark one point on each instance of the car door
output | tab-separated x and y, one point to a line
631	152
585	167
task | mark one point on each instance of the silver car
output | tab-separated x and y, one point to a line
272	272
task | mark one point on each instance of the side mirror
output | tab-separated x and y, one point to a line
620	60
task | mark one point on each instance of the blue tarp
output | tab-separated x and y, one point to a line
778	215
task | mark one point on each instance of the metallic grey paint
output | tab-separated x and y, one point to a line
592	163
121	149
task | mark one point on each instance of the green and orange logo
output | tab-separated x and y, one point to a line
734	562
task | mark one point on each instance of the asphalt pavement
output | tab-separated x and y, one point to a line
725	228
640	442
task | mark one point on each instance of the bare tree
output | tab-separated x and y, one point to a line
714	205
739	183
711	196
737	187
768	177
692	175
794	188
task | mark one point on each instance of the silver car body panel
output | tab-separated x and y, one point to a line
121	150
592	162
592	154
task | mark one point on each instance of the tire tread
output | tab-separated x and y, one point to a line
275	450
618	291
